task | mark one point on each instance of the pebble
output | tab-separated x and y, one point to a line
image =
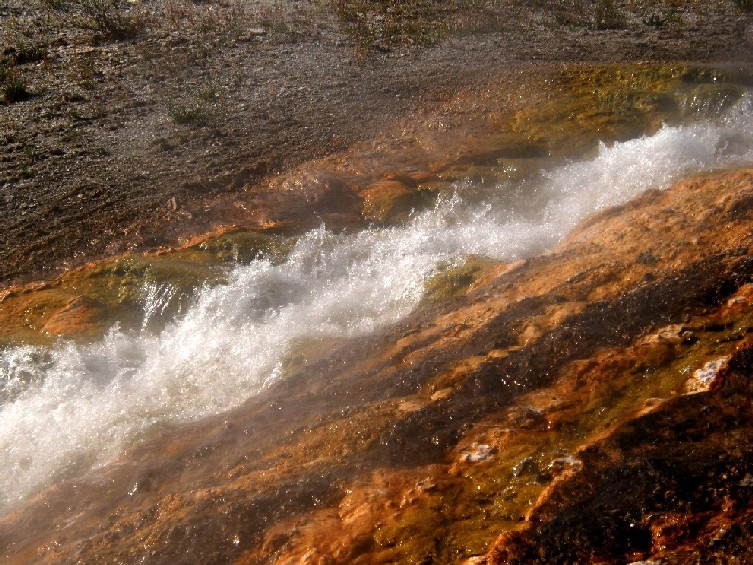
477	453
558	465
708	376
526	466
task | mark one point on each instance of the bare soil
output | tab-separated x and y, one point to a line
123	139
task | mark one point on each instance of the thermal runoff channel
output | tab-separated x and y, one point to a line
69	408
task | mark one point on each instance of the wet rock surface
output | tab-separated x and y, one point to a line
546	408
484	142
588	405
669	485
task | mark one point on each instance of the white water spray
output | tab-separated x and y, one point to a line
68	408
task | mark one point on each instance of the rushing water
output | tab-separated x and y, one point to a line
70	407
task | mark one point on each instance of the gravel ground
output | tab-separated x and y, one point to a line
197	100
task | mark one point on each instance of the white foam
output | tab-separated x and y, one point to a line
68	408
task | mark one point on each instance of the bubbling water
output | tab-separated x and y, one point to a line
68	408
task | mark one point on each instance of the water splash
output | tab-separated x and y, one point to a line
68	408
157	299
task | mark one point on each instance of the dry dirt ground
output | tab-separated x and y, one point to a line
120	121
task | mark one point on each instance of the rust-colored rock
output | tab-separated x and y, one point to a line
385	200
76	317
546	407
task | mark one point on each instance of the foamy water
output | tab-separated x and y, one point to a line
68	408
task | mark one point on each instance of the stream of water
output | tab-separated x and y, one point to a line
68	408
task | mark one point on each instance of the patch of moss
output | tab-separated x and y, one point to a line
240	246
716	75
618	102
587	105
304	352
392	202
595	104
117	288
454	281
707	100
412	534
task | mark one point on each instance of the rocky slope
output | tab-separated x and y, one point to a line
593	403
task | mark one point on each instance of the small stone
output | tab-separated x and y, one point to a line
76	317
533	418
673	334
558	465
646	258
529	418
441	394
385	199
426	485
524	467
688	337
708	377
477	453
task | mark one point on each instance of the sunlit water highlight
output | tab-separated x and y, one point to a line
68	408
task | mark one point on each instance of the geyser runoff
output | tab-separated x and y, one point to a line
68	408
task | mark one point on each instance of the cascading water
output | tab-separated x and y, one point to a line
68	408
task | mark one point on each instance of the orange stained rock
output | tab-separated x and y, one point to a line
570	367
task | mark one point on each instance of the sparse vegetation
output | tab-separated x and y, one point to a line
745	4
608	16
208	94
655	20
12	87
382	23
25	53
197	107
113	19
663	17
195	115
570	13
14	91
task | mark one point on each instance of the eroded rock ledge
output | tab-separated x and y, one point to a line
588	405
